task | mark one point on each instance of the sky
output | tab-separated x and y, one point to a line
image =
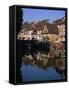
41	14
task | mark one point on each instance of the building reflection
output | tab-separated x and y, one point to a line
44	61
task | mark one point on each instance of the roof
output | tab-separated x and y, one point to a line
52	28
59	21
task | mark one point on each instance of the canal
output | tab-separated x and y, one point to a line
38	65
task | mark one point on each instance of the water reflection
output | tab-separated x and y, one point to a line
39	65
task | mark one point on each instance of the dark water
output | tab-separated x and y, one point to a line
37	65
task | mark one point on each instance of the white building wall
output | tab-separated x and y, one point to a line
61	29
